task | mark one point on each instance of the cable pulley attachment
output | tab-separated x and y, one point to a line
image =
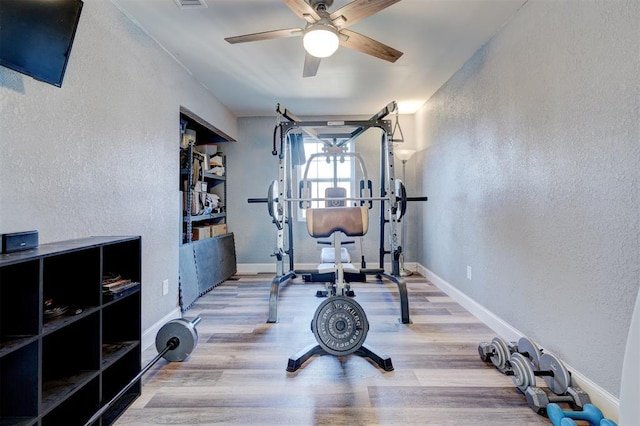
396	126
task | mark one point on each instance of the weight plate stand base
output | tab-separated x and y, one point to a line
366	351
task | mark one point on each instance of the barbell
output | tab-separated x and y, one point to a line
175	341
273	198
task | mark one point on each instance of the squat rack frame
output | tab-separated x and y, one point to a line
283	200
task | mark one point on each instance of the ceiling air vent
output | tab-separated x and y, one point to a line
184	4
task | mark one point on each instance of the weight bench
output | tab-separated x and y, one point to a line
339	324
336	267
325	272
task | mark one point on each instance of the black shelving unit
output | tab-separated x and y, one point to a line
216	184
205	134
65	349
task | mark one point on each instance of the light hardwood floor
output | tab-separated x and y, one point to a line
237	374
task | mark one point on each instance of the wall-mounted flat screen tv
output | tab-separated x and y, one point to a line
36	36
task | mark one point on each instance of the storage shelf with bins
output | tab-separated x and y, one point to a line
197	135
65	347
215	185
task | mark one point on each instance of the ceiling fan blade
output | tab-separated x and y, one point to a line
364	44
311	64
266	35
303	10
358	10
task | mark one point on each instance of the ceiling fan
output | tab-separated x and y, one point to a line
325	31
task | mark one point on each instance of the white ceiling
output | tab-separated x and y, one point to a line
436	36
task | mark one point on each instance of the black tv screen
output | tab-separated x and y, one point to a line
36	36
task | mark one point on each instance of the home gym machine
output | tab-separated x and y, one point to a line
174	342
339	325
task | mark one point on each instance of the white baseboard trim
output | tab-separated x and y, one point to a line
501	327
149	335
257	268
267	268
609	404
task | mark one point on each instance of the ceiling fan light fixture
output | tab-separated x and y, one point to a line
321	40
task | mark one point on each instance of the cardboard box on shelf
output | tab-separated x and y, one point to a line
201	232
218	229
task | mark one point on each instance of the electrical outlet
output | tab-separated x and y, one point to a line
469	272
165	287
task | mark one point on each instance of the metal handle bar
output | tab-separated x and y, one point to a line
338	199
266	200
355	199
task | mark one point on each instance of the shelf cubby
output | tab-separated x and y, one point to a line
19	304
117	319
19	386
72	279
119	374
122	259
70	358
78	408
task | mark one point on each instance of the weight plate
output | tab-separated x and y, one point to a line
523	375
340	325
529	349
187	336
561	379
401	197
501	353
272	200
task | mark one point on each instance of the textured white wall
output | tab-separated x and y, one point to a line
531	159
99	156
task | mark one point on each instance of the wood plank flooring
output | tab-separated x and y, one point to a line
237	374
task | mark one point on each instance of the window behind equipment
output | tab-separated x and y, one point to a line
338	172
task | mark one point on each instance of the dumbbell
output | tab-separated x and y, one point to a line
550	368
589	413
539	400
556	376
499	351
530	350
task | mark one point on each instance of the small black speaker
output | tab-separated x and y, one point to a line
18	241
